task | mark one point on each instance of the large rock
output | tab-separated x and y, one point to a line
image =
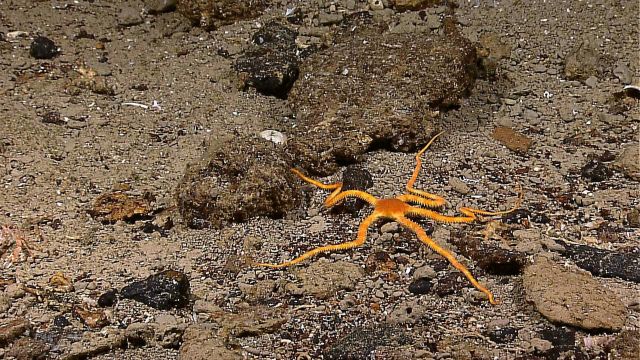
566	296
239	177
628	162
375	89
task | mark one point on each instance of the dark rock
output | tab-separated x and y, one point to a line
363	94
379	261
354	178
582	62
238	178
108	299
491	258
451	283
61	321
559	336
27	348
43	48
420	286
165	290
503	335
596	171
53	117
362	341
271	65
160	6
211	14
633	218
605	263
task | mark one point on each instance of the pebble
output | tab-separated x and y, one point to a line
326	19
130	16
425	271
420	286
43	48
539	68
623	73
591	81
390	227
160	6
433	21
165	290
376	4
458	185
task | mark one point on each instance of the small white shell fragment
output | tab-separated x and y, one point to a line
634	87
274	136
12	35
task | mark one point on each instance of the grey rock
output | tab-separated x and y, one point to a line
323	279
326	19
130	16
458	185
591	81
623	73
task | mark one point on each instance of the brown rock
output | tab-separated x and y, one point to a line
629	161
239	177
13	329
28	349
582	62
413	5
375	89
511	139
570	297
211	14
120	206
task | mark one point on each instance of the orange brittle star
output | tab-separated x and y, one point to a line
399	210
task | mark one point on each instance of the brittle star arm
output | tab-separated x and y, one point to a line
336	196
470	213
420	196
362	237
422	235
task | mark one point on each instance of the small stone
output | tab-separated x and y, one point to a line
160	6
628	162
511	139
503	335
596	171
94	319
591	81
379	261
433	21
165	290
350	4
129	16
355	177
11	330
458	185
420	286
623	73
633	218
424	271
108	299
27	348
390	227
530	115
414	5
43	48
510	102
362	341
61	321
326	19
539	68
582	62
376	4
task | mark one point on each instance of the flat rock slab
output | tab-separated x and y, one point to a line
566	296
323	279
512	140
375	89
